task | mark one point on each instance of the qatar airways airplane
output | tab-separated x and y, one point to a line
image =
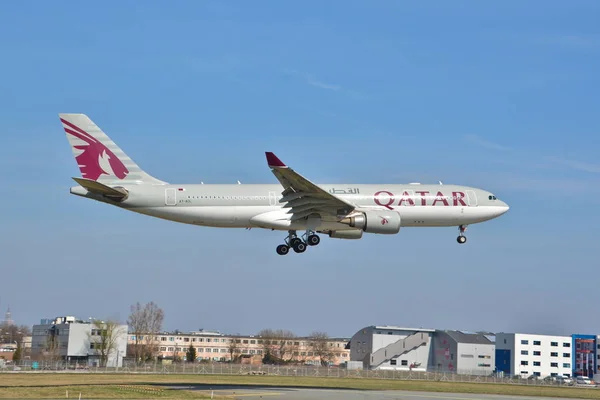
343	211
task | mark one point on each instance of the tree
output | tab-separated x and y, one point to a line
13	333
233	348
191	354
276	345
104	338
145	323
319	343
18	355
52	346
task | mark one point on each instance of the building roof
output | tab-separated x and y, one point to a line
469	337
400	328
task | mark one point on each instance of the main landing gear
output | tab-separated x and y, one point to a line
298	244
461	234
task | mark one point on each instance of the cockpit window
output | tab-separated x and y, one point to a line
492	197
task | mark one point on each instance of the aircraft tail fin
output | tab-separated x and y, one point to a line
98	157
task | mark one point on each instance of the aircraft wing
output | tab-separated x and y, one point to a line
303	197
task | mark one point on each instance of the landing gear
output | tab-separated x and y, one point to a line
283	249
461	234
298	244
313	240
300	247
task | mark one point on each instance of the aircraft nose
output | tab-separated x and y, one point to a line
503	207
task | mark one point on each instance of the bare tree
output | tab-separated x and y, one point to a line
233	348
145	323
277	345
104	338
51	350
10	333
320	345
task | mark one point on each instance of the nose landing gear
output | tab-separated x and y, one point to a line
461	234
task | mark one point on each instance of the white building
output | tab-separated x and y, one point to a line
71	340
524	355
461	352
392	347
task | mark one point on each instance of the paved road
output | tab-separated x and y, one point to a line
276	393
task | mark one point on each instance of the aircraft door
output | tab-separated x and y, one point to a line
272	198
170	197
472	197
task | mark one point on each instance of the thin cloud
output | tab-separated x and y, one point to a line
578	165
484	143
311	80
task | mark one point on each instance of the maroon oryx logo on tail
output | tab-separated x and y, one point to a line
94	158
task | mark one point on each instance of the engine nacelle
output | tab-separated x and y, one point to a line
349	234
383	222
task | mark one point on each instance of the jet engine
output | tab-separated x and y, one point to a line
382	222
349	234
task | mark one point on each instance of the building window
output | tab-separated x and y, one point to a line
553	354
524	341
392	362
524	352
524	362
537	343
404	362
537	353
554	365
566	344
566	354
536	374
566	365
554	344
537	364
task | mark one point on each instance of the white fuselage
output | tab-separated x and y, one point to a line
258	206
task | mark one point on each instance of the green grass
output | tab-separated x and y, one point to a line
54	385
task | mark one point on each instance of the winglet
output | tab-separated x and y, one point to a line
273	161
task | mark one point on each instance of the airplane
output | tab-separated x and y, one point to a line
342	211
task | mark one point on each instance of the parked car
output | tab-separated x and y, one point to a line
584	380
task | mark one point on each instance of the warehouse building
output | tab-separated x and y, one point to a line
463	352
391	348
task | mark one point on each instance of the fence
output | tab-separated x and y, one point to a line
275	370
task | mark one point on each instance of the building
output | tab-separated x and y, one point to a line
71	340
525	355
8	317
392	347
217	347
585	355
463	352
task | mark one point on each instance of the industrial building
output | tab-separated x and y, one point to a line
391	347
68	339
463	352
418	349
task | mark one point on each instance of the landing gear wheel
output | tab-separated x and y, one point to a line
295	241
461	239
313	240
282	249
300	247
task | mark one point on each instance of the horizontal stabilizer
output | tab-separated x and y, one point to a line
90	185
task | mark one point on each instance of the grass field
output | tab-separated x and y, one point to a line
55	385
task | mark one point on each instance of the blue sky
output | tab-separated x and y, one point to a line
501	96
